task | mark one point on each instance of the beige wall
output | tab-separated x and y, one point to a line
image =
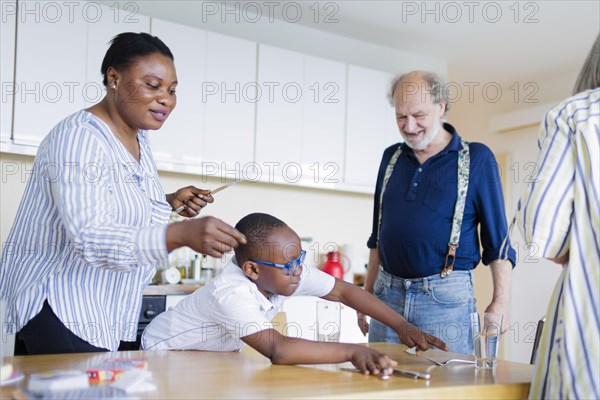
533	279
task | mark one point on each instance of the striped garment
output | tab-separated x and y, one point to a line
561	215
88	235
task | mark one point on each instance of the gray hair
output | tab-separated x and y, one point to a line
589	76
437	87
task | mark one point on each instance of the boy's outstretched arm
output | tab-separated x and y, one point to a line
287	350
366	303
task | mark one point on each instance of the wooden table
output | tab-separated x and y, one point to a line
249	375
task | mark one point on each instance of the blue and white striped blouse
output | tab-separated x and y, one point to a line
88	234
561	215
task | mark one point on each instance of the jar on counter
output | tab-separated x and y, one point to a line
197	263
207	272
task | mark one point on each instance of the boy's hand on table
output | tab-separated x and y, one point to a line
412	336
372	362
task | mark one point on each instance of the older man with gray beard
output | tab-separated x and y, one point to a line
433	192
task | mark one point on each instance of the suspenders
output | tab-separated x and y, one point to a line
464	167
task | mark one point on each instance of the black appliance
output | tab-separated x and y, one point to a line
151	307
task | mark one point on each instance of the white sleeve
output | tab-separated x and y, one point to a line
314	282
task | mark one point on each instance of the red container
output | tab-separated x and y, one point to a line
333	266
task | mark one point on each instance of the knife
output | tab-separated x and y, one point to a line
382	377
225	186
411	374
398	372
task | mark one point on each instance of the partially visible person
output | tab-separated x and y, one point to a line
437	198
92	224
237	307
561	215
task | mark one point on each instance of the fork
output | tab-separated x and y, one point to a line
452	360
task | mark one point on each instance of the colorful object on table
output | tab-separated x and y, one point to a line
111	368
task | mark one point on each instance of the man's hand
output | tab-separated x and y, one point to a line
503	308
362	322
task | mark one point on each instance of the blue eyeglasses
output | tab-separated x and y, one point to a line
290	267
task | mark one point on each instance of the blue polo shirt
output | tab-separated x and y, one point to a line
419	207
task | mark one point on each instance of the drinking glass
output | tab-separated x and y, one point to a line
328	321
486	338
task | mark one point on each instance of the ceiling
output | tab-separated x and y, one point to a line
501	40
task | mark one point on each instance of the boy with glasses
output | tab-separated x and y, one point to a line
237	307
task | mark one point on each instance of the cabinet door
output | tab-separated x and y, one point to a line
279	112
50	67
371	124
323	130
180	138
230	102
7	59
108	22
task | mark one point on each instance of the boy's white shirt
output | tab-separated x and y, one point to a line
215	317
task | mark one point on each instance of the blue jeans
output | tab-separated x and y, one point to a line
439	306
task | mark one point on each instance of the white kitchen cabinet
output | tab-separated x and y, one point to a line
279	111
312	121
7	59
230	102
370	124
300	123
50	68
180	138
109	22
71	39
323	122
